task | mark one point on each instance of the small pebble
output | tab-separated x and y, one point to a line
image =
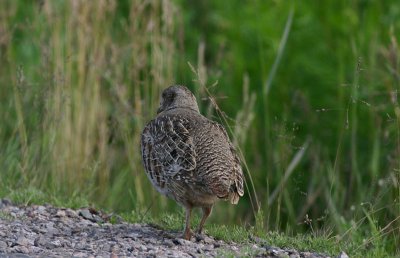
343	255
3	245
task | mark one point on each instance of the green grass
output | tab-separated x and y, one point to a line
5	216
31	195
309	97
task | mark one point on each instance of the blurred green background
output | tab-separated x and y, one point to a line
308	90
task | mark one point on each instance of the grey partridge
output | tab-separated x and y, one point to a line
190	158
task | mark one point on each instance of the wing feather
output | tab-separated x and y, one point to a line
167	148
237	176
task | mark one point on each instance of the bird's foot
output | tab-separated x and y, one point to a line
187	235
199	237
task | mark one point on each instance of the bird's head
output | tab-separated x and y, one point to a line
177	97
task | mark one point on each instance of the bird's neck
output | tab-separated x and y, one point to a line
191	108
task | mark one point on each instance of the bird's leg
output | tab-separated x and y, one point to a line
187	233
206	213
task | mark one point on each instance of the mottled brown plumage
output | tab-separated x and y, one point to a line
188	157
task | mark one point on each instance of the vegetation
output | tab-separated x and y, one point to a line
308	90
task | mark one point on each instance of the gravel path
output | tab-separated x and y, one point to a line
44	231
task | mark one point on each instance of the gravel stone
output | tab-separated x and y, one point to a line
3	245
86	214
23	241
5	202
46	231
60	213
343	255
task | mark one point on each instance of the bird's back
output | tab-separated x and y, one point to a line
217	164
190	158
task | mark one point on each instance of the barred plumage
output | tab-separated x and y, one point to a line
188	157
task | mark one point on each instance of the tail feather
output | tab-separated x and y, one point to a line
235	193
234	198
